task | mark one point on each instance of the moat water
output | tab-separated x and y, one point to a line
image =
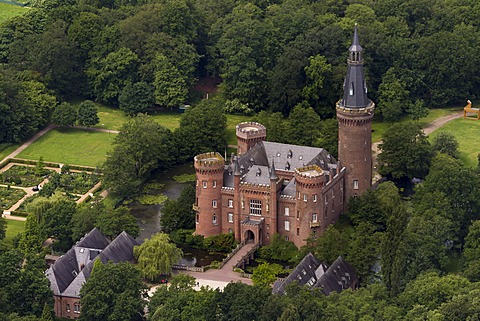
148	216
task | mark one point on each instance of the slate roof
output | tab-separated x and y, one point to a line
303	273
284	157
310	272
93	240
69	272
338	277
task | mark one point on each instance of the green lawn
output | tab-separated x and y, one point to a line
13	228
113	118
71	146
466	132
8	11
7	149
379	127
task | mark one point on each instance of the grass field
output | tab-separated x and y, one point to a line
7	149
466	132
113	118
8	11
71	146
379	127
13	228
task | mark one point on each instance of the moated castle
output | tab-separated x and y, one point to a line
296	191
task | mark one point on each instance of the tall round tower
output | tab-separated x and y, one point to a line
354	113
248	135
309	184
209	168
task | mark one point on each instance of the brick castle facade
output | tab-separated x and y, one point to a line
296	191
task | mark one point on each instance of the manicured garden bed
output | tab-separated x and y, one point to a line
24	176
9	196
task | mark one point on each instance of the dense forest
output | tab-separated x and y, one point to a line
267	55
418	257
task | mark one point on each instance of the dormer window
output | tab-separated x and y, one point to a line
290	154
287	166
350	90
259	172
278	154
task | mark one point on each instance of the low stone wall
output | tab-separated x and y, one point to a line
188	268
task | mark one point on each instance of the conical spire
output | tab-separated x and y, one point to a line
355	86
273	175
355	47
236	168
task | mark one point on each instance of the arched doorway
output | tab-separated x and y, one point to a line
249	237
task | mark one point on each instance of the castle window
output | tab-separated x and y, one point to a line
197	217
230	230
214	203
305	197
355	184
298	231
255	207
287	211
314	197
298	214
351	89
298	195
214	184
287	238
314	218
204	184
230	217
197	183
68	307
326	199
76	308
214	219
287	226
230	203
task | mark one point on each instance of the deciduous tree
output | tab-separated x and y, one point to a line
114	291
157	256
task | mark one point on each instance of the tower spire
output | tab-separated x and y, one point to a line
273	175
355	86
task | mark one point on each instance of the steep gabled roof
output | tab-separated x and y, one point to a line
120	250
304	272
93	240
339	276
65	270
67	276
282	157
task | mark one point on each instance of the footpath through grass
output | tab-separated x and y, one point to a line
8	11
13	228
70	146
379	127
466	132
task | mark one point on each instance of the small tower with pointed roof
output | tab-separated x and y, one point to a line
354	114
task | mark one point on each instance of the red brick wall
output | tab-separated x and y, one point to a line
355	150
65	307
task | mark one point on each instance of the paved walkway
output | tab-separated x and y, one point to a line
28	142
219	278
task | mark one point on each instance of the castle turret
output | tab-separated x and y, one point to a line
354	113
209	169
310	181
248	135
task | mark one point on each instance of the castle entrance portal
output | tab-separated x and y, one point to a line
249	237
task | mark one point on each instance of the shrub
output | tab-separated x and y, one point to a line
220	242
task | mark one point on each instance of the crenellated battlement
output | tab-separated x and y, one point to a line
309	172
209	160
247	130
